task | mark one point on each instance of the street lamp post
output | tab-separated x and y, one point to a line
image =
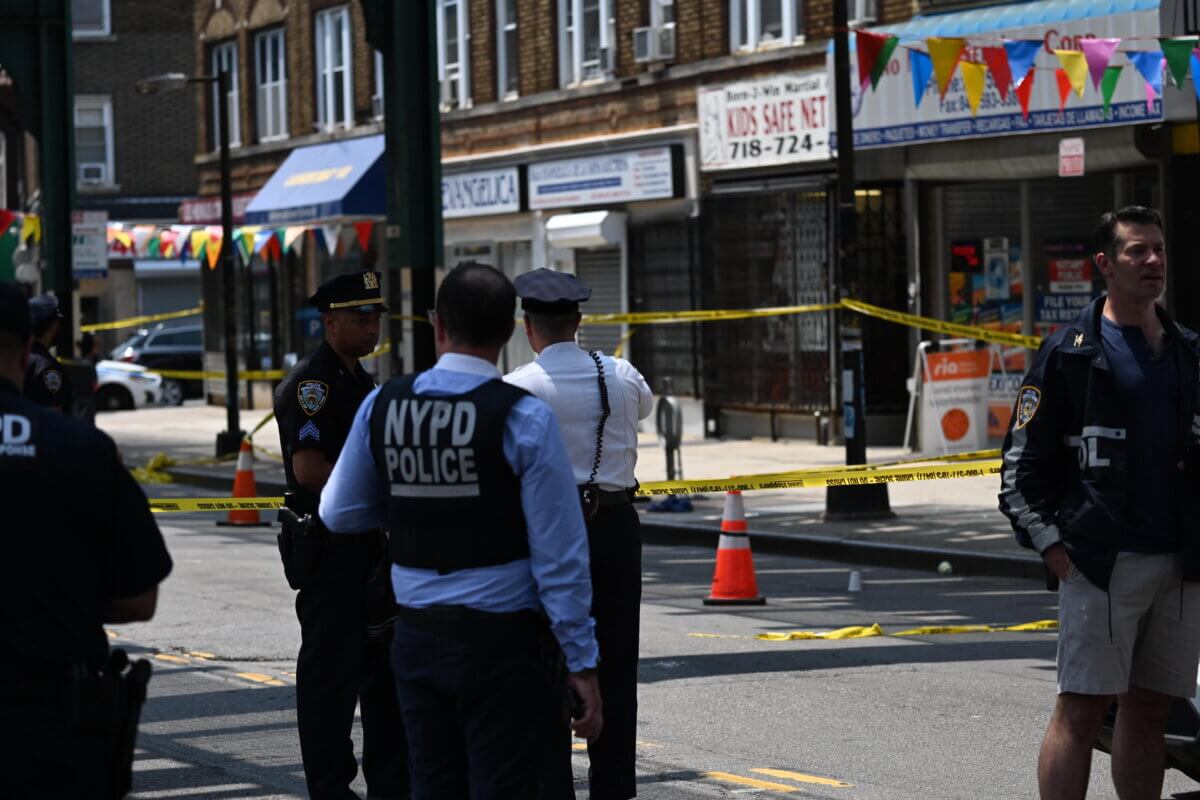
228	440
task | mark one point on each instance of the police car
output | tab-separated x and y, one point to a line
121	386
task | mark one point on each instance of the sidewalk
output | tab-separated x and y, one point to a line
951	520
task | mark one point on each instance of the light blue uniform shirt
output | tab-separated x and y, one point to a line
556	576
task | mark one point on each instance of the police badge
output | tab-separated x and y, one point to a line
1027	405
53	380
369	281
312	395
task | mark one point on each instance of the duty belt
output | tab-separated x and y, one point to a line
617	497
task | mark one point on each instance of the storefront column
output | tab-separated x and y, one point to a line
1028	289
938	298
912	235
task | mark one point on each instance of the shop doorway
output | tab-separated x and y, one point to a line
600	269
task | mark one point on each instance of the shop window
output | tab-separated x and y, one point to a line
453	71
94	141
508	72
585	40
765	23
90	18
335	78
270	78
224	58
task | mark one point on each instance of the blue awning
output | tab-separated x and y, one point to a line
324	182
978	21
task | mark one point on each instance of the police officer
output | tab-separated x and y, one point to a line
487	540
598	401
46	380
67	570
344	615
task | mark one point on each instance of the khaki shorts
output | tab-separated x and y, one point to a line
1154	619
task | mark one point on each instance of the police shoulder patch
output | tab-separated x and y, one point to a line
1028	401
53	380
312	395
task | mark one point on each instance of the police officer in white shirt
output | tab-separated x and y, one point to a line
598	401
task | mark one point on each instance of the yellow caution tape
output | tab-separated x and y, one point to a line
135	322
941	326
866	631
200	374
841	476
667	317
974	455
261	423
168	504
619	350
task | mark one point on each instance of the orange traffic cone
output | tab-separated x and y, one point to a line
243	486
733	581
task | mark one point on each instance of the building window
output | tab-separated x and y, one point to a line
862	12
94	141
270	80
377	97
225	59
453	71
509	71
335	80
90	18
586	48
765	23
662	13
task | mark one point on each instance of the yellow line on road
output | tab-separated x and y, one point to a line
800	777
171	658
266	680
728	777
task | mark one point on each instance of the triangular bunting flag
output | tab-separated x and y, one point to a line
141	237
1024	91
868	46
1108	85
1075	67
364	230
974	80
213	253
329	234
945	54
166	243
1177	51
1150	95
997	62
294	236
154	247
1021	55
347	236
1097	53
1196	72
262	239
1150	66
881	62
244	237
31	228
920	66
199	241
1064	88
6	220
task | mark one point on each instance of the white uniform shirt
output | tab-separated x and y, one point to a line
565	377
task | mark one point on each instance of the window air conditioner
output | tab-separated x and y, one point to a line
666	43
654	44
449	93
607	57
93	174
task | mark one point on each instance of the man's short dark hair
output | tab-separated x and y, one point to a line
1107	241
477	304
554	326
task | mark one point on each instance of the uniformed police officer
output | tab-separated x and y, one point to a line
598	401
46	380
344	636
487	540
67	569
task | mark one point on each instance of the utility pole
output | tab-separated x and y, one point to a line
406	34
848	502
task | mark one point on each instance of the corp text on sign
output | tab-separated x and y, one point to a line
645	174
782	119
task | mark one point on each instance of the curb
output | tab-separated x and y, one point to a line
656	530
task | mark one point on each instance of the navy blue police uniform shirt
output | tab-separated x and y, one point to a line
315	407
46	380
1149	388
79	533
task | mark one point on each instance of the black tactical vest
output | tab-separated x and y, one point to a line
452	499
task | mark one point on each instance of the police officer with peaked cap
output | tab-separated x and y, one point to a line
488	543
598	401
105	558
344	603
46	380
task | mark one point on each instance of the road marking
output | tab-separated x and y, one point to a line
729	777
800	777
266	680
171	658
200	654
193	790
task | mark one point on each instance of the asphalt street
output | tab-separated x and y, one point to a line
723	714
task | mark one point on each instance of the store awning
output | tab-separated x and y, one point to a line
324	182
1010	15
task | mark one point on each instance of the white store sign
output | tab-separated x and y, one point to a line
89	244
475	194
610	178
783	119
888	115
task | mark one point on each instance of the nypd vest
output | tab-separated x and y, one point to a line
452	499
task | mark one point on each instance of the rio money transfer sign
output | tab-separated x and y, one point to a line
782	119
954	400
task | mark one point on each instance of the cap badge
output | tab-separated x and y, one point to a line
369	281
1078	339
312	395
53	380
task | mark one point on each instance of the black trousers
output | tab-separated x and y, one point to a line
615	549
337	668
47	755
